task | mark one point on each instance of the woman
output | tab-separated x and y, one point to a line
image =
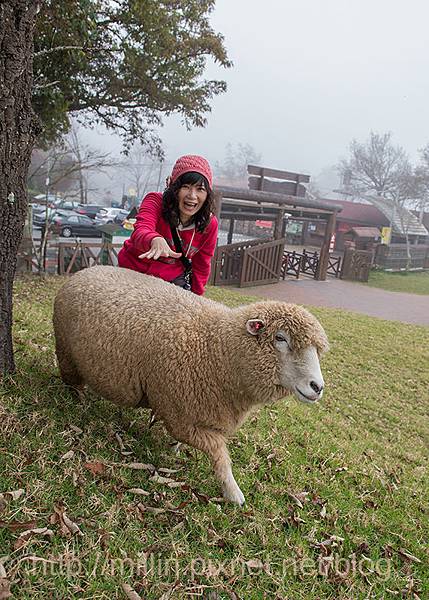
175	234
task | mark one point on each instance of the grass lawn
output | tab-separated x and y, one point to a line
337	494
414	282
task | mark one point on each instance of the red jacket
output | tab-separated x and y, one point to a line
150	224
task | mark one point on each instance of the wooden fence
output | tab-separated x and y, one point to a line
394	256
73	256
305	263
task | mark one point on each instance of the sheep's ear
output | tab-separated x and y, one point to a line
255	326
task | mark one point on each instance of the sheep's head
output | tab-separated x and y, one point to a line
292	340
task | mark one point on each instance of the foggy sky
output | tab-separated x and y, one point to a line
310	75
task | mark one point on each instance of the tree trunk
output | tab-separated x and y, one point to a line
18	128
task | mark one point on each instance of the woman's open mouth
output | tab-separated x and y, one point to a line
190	205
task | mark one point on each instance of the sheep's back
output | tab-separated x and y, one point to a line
130	328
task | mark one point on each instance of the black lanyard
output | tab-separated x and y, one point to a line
178	245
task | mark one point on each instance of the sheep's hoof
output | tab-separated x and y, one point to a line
234	495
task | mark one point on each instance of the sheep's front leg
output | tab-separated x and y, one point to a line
213	444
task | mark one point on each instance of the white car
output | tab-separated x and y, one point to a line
110	215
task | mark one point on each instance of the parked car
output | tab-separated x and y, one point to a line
110	215
65	204
39	217
38	209
90	210
69	224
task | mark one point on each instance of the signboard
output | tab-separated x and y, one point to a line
332	243
266	224
386	234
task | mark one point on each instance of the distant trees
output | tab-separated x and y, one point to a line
376	166
379	167
234	165
143	172
67	165
422	175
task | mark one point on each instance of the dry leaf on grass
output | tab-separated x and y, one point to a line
139	466
120	442
67	526
138	492
14	495
254	563
5	589
68	455
26	535
16	525
76	429
166	481
129	592
299	498
404	553
167	471
151	509
96	467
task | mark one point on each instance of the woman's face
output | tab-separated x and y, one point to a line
191	197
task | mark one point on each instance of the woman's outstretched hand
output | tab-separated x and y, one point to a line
159	247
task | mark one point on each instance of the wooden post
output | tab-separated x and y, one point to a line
278	225
304	233
230	231
322	267
217	203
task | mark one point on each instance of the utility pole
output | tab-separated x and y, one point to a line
159	176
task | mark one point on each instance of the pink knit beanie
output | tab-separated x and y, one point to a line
192	162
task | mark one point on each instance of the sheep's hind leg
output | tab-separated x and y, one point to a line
213	444
69	373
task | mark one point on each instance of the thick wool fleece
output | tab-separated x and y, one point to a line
139	341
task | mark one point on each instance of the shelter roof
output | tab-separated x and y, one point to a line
403	220
366	232
358	212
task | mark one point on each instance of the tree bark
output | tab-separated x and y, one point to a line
18	129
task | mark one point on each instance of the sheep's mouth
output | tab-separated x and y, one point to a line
304	398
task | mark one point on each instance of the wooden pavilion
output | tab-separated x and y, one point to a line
271	196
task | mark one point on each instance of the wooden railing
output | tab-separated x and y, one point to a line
305	263
73	256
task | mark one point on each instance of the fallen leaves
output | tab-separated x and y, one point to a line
96	467
30	533
172	483
14	495
129	592
67	526
5	589
17	525
408	556
68	455
138	492
138	466
299	498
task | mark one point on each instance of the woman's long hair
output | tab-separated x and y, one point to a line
170	202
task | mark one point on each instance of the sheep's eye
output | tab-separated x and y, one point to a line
281	338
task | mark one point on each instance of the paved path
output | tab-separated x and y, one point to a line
393	306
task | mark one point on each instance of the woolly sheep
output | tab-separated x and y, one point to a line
199	365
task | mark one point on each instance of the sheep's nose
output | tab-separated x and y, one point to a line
316	387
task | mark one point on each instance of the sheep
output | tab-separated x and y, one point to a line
200	366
